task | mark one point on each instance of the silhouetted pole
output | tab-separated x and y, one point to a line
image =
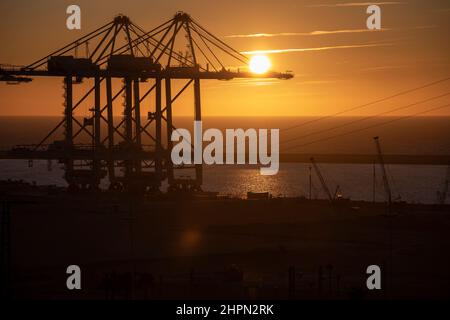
310	183
169	130
97	133
68	112
97	111
128	121
68	132
137	111
198	117
137	121
158	118
109	104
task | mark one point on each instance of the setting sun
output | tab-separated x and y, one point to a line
259	64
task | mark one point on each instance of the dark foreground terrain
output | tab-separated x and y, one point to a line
191	248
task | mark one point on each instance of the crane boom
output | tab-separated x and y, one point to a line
322	180
387	188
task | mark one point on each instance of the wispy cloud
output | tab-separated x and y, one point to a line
387	67
316	82
426	27
312	33
268	35
411	66
355	4
324	32
271	51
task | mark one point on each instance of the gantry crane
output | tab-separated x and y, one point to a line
144	60
387	187
322	181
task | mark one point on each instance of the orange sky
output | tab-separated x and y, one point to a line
340	68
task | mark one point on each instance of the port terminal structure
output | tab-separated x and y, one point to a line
139	59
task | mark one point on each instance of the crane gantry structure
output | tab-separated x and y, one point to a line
141	58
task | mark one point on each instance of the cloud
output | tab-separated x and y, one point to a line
387	67
355	4
417	63
268	35
313	82
271	51
323	32
426	27
316	33
312	33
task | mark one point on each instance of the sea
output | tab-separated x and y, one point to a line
309	135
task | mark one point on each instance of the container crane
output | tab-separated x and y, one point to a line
141	60
322	180
387	187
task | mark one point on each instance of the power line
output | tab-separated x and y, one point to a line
366	118
367	104
368	127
